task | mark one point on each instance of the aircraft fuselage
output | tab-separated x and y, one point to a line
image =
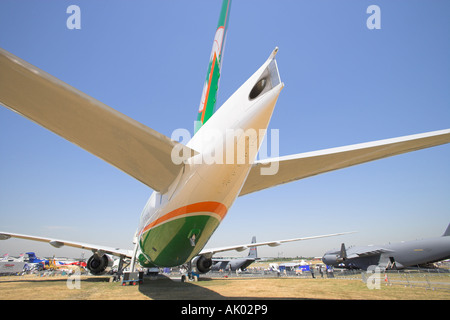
397	255
175	225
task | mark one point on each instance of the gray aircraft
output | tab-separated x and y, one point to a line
236	263
392	256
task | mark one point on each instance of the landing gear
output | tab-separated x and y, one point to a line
132	276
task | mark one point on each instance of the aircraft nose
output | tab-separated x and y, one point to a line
329	259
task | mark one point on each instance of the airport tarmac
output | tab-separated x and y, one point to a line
31	287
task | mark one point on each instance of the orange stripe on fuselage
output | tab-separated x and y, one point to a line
207	206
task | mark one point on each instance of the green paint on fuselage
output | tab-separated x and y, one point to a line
168	245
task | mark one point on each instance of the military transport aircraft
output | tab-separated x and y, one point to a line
392	256
234	264
195	184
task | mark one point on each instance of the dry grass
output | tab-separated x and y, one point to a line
99	288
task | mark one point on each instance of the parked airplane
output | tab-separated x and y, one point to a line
76	263
36	262
52	263
192	194
6	257
398	255
32	258
234	264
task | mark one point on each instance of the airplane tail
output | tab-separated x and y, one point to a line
342	254
253	253
211	86
31	255
447	232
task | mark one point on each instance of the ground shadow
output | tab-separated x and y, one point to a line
165	288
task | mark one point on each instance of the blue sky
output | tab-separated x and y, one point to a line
344	84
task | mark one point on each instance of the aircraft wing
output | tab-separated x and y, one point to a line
139	151
366	252
60	243
210	252
303	165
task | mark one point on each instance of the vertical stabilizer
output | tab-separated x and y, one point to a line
31	257
447	232
211	86
253	253
342	254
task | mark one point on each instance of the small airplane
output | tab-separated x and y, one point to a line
392	256
195	184
32	258
52	263
36	262
77	263
6	257
236	263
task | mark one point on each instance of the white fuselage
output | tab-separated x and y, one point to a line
176	224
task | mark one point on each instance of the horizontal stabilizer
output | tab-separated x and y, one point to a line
139	151
303	165
447	231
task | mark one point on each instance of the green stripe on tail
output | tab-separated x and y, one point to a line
211	86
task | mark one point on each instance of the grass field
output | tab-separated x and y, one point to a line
99	288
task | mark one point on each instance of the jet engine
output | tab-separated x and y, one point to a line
99	265
202	264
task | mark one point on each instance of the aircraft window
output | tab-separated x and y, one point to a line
258	88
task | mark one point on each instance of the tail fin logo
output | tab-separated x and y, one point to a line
218	42
211	86
215	53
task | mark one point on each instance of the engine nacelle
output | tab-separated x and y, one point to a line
202	264
99	265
